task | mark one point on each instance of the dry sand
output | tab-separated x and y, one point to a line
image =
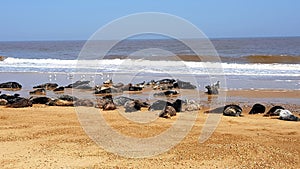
51	137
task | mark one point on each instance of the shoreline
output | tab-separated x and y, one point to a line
265	95
233	82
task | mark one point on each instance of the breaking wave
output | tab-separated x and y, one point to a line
154	66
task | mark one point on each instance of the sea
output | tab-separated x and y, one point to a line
244	63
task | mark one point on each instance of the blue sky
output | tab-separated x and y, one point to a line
76	20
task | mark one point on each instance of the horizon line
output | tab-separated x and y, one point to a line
212	38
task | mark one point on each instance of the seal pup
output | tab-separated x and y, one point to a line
3	102
109	105
168	112
287	115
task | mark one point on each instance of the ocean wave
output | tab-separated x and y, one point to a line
148	66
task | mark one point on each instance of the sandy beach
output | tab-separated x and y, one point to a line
150	84
52	137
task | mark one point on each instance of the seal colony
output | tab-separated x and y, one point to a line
165	92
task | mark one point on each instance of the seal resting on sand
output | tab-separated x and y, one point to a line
106	103
257	108
166	81
168	93
11	85
100	102
77	83
109	105
10	98
183	85
64	100
60	102
131	87
120	101
232	110
134	105
59	89
3	102
178	105
161	104
287	115
38	92
84	102
272	111
47	86
190	105
68	98
168	112
20	102
106	90
40	100
83	86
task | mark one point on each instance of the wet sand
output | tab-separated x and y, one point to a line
51	137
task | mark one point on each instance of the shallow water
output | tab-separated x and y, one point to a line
39	62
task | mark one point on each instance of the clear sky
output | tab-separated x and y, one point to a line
78	19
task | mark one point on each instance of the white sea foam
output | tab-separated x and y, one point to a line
127	65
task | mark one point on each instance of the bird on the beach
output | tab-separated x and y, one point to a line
92	80
82	77
217	84
70	76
